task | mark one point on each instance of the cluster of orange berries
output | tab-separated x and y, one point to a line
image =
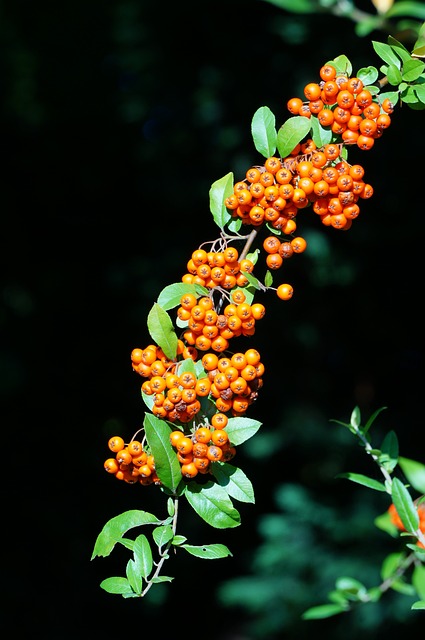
396	520
217	269
131	462
319	178
231	382
344	105
208	443
208	329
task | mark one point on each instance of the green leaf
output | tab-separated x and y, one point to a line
234	481
241	429
372	419
404	506
350	588
391	565
171	295
364	480
412	70
115	528
117	585
162	330
399	48
167	465
263	129
134	578
291	133
319	134
418	580
219	191
419	90
208	551
368	75
414	472
386	53
355	419
212	503
342	65
388	457
323	611
162	535
394	75
143	556
419	604
412	9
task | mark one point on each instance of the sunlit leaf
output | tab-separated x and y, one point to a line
386	53
234	481
171	295
291	133
364	480
207	551
263	129
115	528
143	556
414	472
419	604
241	429
404	506
134	576
412	70
167	465
212	503
162	330
418	580
117	585
219	191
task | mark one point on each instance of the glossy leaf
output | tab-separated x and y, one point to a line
162	535
115	528
404	505
241	429
414	472
143	556
234	481
162	330
117	585
364	480
263	129
291	133
134	577
219	191
208	551
419	604
167	465
212	503
171	295
368	75
386	53
412	70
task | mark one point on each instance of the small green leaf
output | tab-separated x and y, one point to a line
414	472
167	465
364	480
412	70
171	295
219	191
419	91
368	75
143	556
404	506
162	535
157	579
117	585
399	48
291	133
386	53
234	481
391	565
296	6
319	134
388	457
263	129
115	528
323	611
372	419
394	75
419	604
208	551
355	419
133	576
162	330
212	503
342	65
241	429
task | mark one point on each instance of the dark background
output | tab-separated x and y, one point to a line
116	118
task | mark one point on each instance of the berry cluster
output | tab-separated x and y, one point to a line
132	463
396	520
209	443
217	268
345	106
